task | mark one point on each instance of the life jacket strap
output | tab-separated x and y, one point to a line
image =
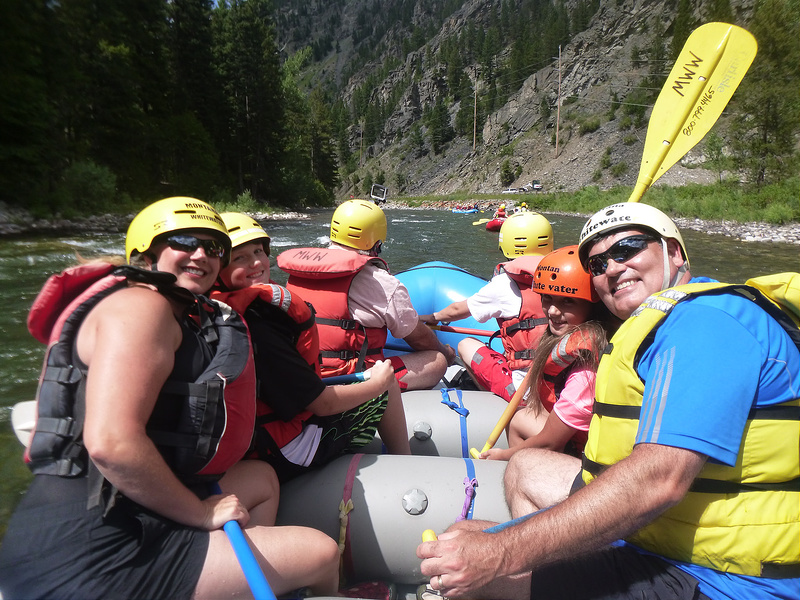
713	486
347	354
63	427
346	324
525	324
65	375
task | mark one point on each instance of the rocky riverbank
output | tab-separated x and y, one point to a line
14	221
746	232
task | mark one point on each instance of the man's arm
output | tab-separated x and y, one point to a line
454	312
623	499
423	338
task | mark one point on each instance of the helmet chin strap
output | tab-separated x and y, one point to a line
667	283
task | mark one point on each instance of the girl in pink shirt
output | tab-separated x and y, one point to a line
562	374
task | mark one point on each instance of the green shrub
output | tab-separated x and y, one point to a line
605	160
589	125
619	169
86	188
506	174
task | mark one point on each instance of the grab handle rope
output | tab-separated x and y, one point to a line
346	505
463	414
469	491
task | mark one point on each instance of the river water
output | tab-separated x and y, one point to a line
414	237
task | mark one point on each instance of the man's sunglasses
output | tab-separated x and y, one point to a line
622	251
190	243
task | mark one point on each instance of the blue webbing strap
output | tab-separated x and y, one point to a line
500	526
463	413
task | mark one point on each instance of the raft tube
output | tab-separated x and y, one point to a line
442	422
448	422
434	285
394	499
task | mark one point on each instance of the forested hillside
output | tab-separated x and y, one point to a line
301	102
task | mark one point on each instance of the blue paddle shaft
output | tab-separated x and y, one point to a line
337	379
247	560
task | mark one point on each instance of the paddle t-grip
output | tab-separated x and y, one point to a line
429	535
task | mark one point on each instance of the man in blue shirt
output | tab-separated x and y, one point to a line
693	450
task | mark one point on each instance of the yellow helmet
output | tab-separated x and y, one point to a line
358	224
243	229
525	233
174	214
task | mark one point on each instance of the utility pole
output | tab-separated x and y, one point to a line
361	143
558	102
475	117
475	110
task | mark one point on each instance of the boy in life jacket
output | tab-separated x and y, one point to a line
302	423
357	300
562	374
146	403
692	464
508	297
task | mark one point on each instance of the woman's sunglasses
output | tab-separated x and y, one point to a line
622	251
190	243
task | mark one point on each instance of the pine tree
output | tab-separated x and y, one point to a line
253	88
682	27
766	105
25	112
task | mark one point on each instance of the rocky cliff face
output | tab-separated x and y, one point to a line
604	64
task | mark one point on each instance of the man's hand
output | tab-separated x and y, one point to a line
465	560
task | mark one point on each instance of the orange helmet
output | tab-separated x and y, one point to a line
560	274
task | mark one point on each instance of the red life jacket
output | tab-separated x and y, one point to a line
556	370
521	334
201	427
275	302
323	277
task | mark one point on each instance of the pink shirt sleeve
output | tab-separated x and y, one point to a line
378	299
574	405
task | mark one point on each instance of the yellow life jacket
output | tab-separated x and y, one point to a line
742	519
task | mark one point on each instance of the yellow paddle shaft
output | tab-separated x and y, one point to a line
505	418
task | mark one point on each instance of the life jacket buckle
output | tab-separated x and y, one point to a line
65	427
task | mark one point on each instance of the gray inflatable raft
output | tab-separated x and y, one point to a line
449	422
379	505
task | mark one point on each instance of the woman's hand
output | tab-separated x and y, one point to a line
221	508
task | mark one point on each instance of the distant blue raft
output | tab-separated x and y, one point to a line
435	285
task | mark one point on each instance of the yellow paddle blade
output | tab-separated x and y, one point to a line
708	70
481	221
